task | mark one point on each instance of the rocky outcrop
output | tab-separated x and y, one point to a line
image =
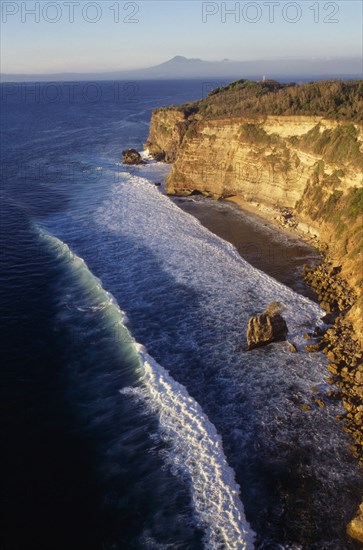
167	130
342	349
355	527
268	327
333	292
131	156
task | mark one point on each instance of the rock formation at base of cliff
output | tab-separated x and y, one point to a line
131	156
264	329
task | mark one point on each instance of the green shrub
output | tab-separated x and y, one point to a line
340	145
355	203
253	133
192	131
329	207
337	99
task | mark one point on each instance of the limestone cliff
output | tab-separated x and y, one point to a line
167	130
273	162
309	163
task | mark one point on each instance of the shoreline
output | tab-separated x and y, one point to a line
326	288
298	230
273	241
275	250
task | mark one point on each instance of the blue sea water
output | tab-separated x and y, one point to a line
132	416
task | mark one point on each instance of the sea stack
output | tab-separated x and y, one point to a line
131	156
268	327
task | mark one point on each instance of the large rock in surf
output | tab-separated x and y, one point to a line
131	156
268	327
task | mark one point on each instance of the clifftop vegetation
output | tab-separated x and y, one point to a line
340	145
336	99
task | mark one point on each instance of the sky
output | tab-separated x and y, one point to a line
82	35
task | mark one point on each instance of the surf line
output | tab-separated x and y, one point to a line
194	449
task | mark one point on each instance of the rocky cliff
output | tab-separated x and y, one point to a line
296	153
167	131
309	163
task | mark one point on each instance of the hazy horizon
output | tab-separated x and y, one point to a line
180	67
227	62
110	36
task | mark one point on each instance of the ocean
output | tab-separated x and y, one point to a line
132	416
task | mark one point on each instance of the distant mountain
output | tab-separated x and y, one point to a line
180	67
180	60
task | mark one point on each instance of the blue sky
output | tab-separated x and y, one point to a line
110	34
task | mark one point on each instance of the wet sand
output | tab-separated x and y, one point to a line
265	246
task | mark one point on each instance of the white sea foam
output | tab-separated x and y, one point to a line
189	296
145	154
195	448
193	255
197	454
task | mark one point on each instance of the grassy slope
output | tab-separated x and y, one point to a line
340	100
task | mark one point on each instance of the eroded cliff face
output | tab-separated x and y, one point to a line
235	157
259	160
307	163
167	130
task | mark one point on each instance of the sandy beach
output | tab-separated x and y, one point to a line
263	244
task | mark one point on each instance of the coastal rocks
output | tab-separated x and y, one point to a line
355	527
346	364
292	347
306	407
286	217
346	360
333	292
131	156
268	327
341	347
313	348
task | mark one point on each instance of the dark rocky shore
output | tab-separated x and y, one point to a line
343	352
346	359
